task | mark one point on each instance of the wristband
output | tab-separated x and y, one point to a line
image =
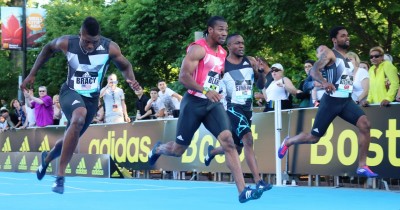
205	90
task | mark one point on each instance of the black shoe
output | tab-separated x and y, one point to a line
209	157
249	194
58	185
152	155
41	171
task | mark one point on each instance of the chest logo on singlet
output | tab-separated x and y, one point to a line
212	81
346	83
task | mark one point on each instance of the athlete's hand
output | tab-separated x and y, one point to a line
213	96
329	87
134	84
28	82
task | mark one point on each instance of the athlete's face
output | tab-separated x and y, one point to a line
88	43
219	32
342	39
236	46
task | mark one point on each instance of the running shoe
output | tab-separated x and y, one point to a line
41	171
152	155
365	171
261	185
209	157
283	148
58	185
249	194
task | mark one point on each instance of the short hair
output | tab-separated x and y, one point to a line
161	80
335	30
154	89
230	36
91	26
310	61
355	57
378	49
365	62
264	60
211	23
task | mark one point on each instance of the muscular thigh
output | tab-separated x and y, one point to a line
240	123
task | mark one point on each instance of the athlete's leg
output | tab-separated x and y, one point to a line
250	156
71	138
364	137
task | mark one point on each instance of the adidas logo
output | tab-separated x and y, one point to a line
7	146
75	102
316	130
22	164
35	164
7	165
100	47
179	138
98	169
68	169
81	168
245	63
25	146
86	74
44	146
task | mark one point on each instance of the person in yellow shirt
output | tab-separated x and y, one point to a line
378	73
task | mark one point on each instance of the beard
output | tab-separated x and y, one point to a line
344	46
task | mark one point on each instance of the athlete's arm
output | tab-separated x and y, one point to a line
254	65
189	64
56	45
325	57
123	65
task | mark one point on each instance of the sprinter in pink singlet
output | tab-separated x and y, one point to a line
200	74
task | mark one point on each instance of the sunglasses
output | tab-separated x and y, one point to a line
276	70
42	91
374	56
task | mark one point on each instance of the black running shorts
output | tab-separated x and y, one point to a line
241	123
193	112
71	100
329	108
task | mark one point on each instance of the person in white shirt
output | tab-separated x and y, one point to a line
171	99
114	102
156	103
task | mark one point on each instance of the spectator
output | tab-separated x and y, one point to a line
364	65
30	115
360	79
57	110
305	96
279	89
114	102
99	118
141	104
6	114
3	103
171	99
155	103
43	106
3	124
20	112
264	79
378	73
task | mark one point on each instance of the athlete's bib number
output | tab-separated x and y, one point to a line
243	89
85	82
212	81
346	83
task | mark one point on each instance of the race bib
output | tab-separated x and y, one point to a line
346	83
212	81
85	82
243	89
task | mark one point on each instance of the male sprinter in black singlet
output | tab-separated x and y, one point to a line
88	55
337	100
238	83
